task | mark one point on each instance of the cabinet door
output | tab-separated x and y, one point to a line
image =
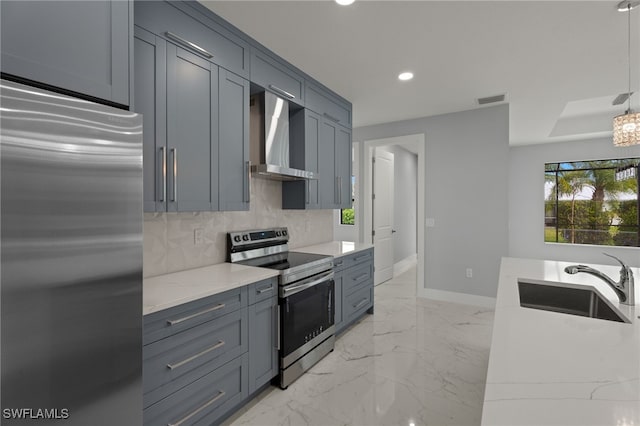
343	167
327	184
192	132
263	353
234	142
312	134
150	101
81	46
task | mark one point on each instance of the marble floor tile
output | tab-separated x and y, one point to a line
414	362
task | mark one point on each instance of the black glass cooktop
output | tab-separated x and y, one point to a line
284	261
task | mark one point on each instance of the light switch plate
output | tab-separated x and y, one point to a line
430	222
198	236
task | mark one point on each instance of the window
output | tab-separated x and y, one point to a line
347	216
592	202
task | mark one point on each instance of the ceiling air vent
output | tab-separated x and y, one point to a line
491	99
621	98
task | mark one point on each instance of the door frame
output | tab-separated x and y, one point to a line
366	170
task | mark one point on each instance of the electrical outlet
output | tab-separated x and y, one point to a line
430	222
469	273
198	236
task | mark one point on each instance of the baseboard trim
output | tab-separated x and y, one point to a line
405	264
455	297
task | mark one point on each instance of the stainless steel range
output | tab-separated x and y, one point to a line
306	296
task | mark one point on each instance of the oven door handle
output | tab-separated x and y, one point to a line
288	291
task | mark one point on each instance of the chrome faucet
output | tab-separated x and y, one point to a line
624	289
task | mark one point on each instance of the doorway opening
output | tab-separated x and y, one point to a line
389	204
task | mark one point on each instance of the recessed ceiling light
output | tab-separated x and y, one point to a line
345	2
405	76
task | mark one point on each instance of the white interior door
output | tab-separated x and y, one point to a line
383	215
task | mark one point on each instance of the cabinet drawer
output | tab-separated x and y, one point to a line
205	400
357	303
263	290
174	362
162	18
276	77
350	260
167	322
358	277
322	102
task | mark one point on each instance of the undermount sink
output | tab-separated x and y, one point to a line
567	299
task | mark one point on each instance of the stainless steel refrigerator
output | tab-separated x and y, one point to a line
71	260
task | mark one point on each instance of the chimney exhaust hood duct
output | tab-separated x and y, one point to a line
269	121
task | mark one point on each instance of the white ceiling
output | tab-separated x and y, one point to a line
560	63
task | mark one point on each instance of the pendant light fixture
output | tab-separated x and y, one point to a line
626	127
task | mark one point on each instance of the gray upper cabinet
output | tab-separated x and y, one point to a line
81	46
304	136
192	132
328	182
234	142
150	99
181	24
275	77
343	158
327	105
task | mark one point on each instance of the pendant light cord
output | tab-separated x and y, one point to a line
629	52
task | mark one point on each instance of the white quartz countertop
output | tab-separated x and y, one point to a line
335	248
165	291
549	368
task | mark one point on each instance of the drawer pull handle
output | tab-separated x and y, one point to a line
282	92
265	290
355	259
339	263
188	44
197	314
361	303
197	410
196	356
359	277
331	117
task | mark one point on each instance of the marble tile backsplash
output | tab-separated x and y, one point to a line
169	237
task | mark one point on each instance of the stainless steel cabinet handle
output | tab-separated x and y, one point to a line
307	192
335	195
174	156
248	185
282	92
196	356
338	263
355	259
197	410
188	44
163	158
197	314
361	303
331	117
265	290
278	328
340	190
359	277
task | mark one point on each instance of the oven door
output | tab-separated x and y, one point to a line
306	313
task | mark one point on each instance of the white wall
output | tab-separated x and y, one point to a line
405	199
465	192
526	201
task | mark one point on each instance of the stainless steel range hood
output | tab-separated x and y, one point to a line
269	120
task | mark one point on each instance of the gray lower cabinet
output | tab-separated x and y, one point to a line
204	358
196	129
81	46
354	287
263	350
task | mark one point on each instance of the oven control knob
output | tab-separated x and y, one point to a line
278	234
237	238
245	238
284	232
